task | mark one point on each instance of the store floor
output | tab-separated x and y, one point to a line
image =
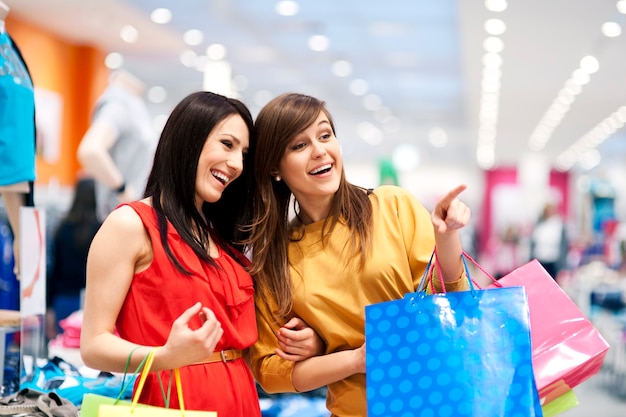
596	400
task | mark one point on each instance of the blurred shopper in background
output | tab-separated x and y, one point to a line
118	147
70	245
548	240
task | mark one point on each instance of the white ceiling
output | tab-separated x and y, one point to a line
423	58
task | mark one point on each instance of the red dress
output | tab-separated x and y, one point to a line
158	295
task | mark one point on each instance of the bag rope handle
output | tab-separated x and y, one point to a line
144	375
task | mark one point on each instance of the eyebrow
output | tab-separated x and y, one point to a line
233	137
324	121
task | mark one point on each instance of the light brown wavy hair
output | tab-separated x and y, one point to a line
271	231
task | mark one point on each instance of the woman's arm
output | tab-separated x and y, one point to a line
319	371
297	341
116	250
120	249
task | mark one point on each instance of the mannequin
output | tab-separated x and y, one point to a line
118	147
17	138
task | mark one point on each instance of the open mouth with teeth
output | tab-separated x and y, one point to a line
220	177
321	170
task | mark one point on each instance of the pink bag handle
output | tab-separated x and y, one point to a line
480	268
429	272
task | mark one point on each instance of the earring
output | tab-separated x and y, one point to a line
277	178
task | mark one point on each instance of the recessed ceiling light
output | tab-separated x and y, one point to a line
114	60
496	5
156	94
216	51
359	87
589	64
342	68
437	137
193	37
495	27
611	29
287	8
188	58
129	34
318	43
161	16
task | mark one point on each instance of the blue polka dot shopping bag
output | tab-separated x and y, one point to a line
451	354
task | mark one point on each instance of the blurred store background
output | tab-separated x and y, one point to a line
524	101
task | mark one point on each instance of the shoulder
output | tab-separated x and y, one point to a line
394	194
397	201
123	220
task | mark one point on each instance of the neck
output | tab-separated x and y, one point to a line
311	213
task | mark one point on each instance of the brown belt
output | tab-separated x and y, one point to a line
224	356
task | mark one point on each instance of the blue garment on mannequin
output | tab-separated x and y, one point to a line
17	110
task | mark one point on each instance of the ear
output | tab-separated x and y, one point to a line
274	172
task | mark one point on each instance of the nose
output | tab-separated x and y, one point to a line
235	162
319	150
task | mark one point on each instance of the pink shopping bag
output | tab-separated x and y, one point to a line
567	348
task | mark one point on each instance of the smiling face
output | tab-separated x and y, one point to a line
311	165
221	159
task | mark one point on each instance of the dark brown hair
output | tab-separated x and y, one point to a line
172	181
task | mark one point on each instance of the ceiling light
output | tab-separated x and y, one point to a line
188	58
216	51
580	77
161	16
589	64
495	27
581	149
318	43
493	44
621	6
496	5
193	37
372	102
437	137
358	87
129	34
287	8
156	94
342	68
114	60
611	29
492	60
405	157
590	159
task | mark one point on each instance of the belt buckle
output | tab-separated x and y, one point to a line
223	356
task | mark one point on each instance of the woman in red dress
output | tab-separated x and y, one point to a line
166	271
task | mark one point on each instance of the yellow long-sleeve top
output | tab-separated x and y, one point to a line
330	293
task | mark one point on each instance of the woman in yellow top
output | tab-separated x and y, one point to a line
345	248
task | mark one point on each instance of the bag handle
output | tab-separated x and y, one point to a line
125	384
427	278
144	375
481	269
